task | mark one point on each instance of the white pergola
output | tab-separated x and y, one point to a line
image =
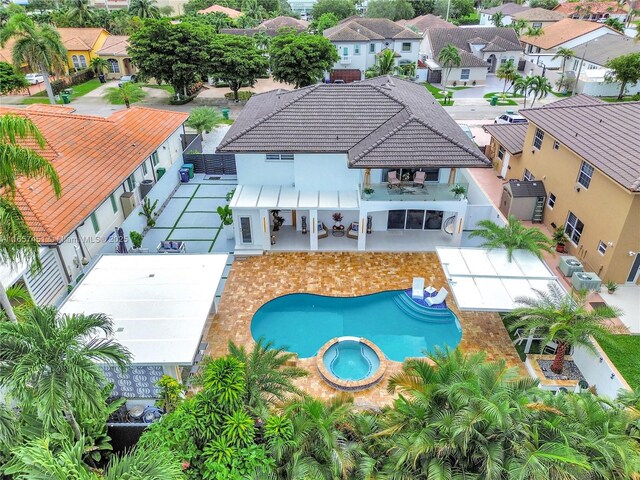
276	197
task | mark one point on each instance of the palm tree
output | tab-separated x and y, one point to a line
98	65
247	21
20	300
497	19
127	93
507	72
204	119
448	58
385	64
39	46
80	13
144	9
540	87
18	245
615	23
513	236
565	54
519	25
255	10
534	32
562	318
50	362
218	21
522	85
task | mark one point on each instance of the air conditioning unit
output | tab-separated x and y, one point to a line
128	202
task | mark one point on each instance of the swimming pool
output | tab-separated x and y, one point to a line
303	323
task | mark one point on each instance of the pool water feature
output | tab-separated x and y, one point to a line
303	323
351	360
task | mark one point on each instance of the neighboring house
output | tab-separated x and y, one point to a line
360	41
424	22
230	12
586	153
114	51
593	11
507	9
101	162
271	27
482	50
590	60
538	17
567	33
82	45
306	154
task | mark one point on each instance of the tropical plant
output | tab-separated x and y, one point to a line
408	70
385	64
534	32
540	87
513	236
50	362
565	54
11	80
79	12
326	20
226	215
497	19
340	8
611	287
519	25
127	93
247	21
171	393
624	69
98	65
507	72
561	318
136	239
615	23
148	211
216	20
144	9
39	46
448	58
392	9
204	119
522	85
20	300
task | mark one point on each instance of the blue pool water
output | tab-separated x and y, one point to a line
303	322
351	360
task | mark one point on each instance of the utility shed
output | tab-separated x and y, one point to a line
523	199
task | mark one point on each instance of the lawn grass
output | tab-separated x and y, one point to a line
435	91
628	98
76	91
458	88
558	94
499	94
166	88
622	350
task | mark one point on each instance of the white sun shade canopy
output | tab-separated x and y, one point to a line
159	304
482	279
287	198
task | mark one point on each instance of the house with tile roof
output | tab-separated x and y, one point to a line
482	50
380	152
270	27
424	22
538	17
101	163
506	9
566	33
593	11
115	51
230	12
585	152
360	41
82	45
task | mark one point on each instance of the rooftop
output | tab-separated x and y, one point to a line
510	135
526	189
92	155
407	126
282	22
562	31
219	8
362	29
80	38
425	22
539	14
115	45
582	7
607	47
506	9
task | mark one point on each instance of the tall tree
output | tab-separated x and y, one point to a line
326	20
80	13
546	4
540	87
385	64
144	9
236	60
497	19
127	93
615	23
216	20
203	119
507	72
423	7
565	54
534	32
340	8
98	65
522	85
392	9
624	69
513	236
301	58
39	46
562	318
50	361
11	79
448	58
519	25
17	242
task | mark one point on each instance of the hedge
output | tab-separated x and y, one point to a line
242	96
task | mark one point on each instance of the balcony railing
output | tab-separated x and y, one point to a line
345	59
408	193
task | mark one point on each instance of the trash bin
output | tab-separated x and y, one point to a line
494	100
66	98
184	175
101	78
190	167
225	113
161	171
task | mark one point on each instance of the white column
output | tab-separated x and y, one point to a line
313	229
266	229
362	231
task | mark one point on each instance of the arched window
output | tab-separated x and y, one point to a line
113	65
76	63
83	61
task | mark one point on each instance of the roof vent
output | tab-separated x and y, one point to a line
151	275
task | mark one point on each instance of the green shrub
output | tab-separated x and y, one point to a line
243	96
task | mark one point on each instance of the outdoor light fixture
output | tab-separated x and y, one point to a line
631	253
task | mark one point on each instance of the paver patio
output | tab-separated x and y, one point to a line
256	280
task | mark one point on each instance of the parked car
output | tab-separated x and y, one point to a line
510	117
34	78
126	78
467	131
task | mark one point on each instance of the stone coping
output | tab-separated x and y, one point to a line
351	385
549	382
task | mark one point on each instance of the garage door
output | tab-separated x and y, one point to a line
347	76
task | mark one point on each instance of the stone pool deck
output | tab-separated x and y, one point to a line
256	280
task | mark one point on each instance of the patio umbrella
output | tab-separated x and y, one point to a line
122	246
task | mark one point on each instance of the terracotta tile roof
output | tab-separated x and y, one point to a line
600	8
115	45
283	21
506	9
93	156
562	31
80	38
219	8
425	22
42	107
539	14
360	29
510	136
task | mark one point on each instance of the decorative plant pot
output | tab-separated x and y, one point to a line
611	291
229	231
560	247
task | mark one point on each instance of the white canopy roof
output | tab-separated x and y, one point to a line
287	198
482	279
159	304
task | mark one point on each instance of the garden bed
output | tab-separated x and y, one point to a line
570	370
622	351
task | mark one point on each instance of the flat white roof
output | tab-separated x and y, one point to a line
286	198
159	304
482	279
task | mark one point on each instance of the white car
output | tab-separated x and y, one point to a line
34	78
510	117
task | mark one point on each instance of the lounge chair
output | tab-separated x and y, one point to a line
392	178
353	230
323	231
171	247
439	298
417	291
419	178
550	348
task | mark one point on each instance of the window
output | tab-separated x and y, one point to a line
74	60
406	46
83	61
537	141
464	73
145	169
602	248
131	182
573	228
372	48
551	202
114	205
501	152
245	230
345	52
154	158
356	49
528	176
536	25
279	157
556	145
586	172
114	67
94	222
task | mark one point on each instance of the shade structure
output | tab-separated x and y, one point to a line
482	279
285	198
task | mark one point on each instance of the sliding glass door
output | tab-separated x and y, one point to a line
414	219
